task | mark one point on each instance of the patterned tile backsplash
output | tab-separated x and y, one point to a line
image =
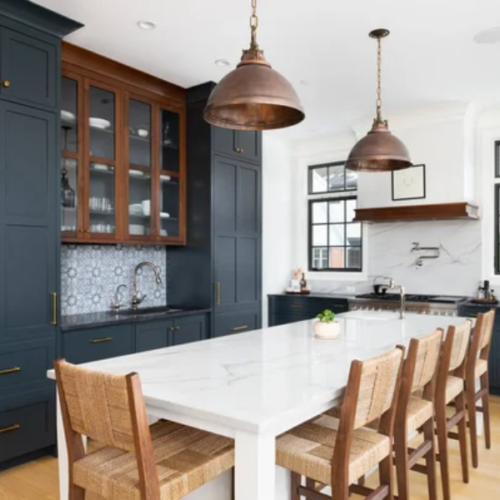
91	274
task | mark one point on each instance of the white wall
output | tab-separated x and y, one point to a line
443	138
277	219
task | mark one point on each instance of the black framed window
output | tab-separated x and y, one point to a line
335	241
331	178
497	229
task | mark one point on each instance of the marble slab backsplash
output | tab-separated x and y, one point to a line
457	271
90	275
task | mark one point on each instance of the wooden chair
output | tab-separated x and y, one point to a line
477	368
415	411
336	452
138	462
450	388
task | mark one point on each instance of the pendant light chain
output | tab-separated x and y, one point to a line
254	24
379	80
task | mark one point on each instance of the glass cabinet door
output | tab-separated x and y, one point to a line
139	169
102	161
169	185
70	157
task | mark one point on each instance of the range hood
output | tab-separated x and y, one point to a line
443	211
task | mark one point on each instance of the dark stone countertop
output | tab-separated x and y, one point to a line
105	318
314	295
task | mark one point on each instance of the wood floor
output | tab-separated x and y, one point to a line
39	480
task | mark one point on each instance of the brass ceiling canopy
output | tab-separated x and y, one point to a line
253	96
379	150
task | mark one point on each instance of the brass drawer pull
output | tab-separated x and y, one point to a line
175	328
296	307
100	341
217	302
10	370
238	328
6	84
54	309
11	428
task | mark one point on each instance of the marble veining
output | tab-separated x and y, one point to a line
91	273
258	381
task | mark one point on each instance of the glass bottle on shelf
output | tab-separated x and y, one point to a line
139	169
102	160
69	155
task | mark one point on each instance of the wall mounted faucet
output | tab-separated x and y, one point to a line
417	248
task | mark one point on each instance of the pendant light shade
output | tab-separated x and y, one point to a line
379	150
254	96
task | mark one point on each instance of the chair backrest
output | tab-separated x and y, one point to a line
460	336
98	405
423	354
481	341
378	379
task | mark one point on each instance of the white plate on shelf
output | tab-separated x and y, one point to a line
100	166
163	232
100	123
165	178
67	116
137	229
164	215
136	173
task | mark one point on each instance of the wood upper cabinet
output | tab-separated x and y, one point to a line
123	162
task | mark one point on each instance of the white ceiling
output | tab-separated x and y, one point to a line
429	58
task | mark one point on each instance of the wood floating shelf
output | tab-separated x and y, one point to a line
443	211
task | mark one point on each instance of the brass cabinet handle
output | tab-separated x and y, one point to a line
101	340
217	303
54	309
11	428
472	315
175	328
10	370
296	307
238	328
6	84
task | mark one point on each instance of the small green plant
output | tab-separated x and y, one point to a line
326	316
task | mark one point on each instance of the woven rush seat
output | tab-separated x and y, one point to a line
454	386
481	367
308	449
186	458
419	412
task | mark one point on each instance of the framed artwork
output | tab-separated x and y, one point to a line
408	184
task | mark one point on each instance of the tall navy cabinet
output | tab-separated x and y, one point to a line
29	230
224	229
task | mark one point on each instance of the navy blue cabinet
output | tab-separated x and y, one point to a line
95	344
30	38
471	311
223	251
152	335
188	329
284	309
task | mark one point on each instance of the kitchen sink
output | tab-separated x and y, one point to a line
144	311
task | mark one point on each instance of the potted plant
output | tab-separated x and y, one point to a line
326	327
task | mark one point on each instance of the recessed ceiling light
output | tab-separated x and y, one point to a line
222	62
146	25
491	35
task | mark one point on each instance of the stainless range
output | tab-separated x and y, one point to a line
420	304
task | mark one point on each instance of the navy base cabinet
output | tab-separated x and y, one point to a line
30	39
284	309
471	311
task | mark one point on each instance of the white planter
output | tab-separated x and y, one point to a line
326	330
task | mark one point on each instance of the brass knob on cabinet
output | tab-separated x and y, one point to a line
6	84
239	150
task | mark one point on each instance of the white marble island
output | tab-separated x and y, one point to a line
257	385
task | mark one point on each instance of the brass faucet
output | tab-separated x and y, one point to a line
136	300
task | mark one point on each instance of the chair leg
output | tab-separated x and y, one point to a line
470	394
296	479
462	437
443	449
76	493
430	459
485	384
385	471
401	458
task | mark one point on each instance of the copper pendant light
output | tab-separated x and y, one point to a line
379	150
253	96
